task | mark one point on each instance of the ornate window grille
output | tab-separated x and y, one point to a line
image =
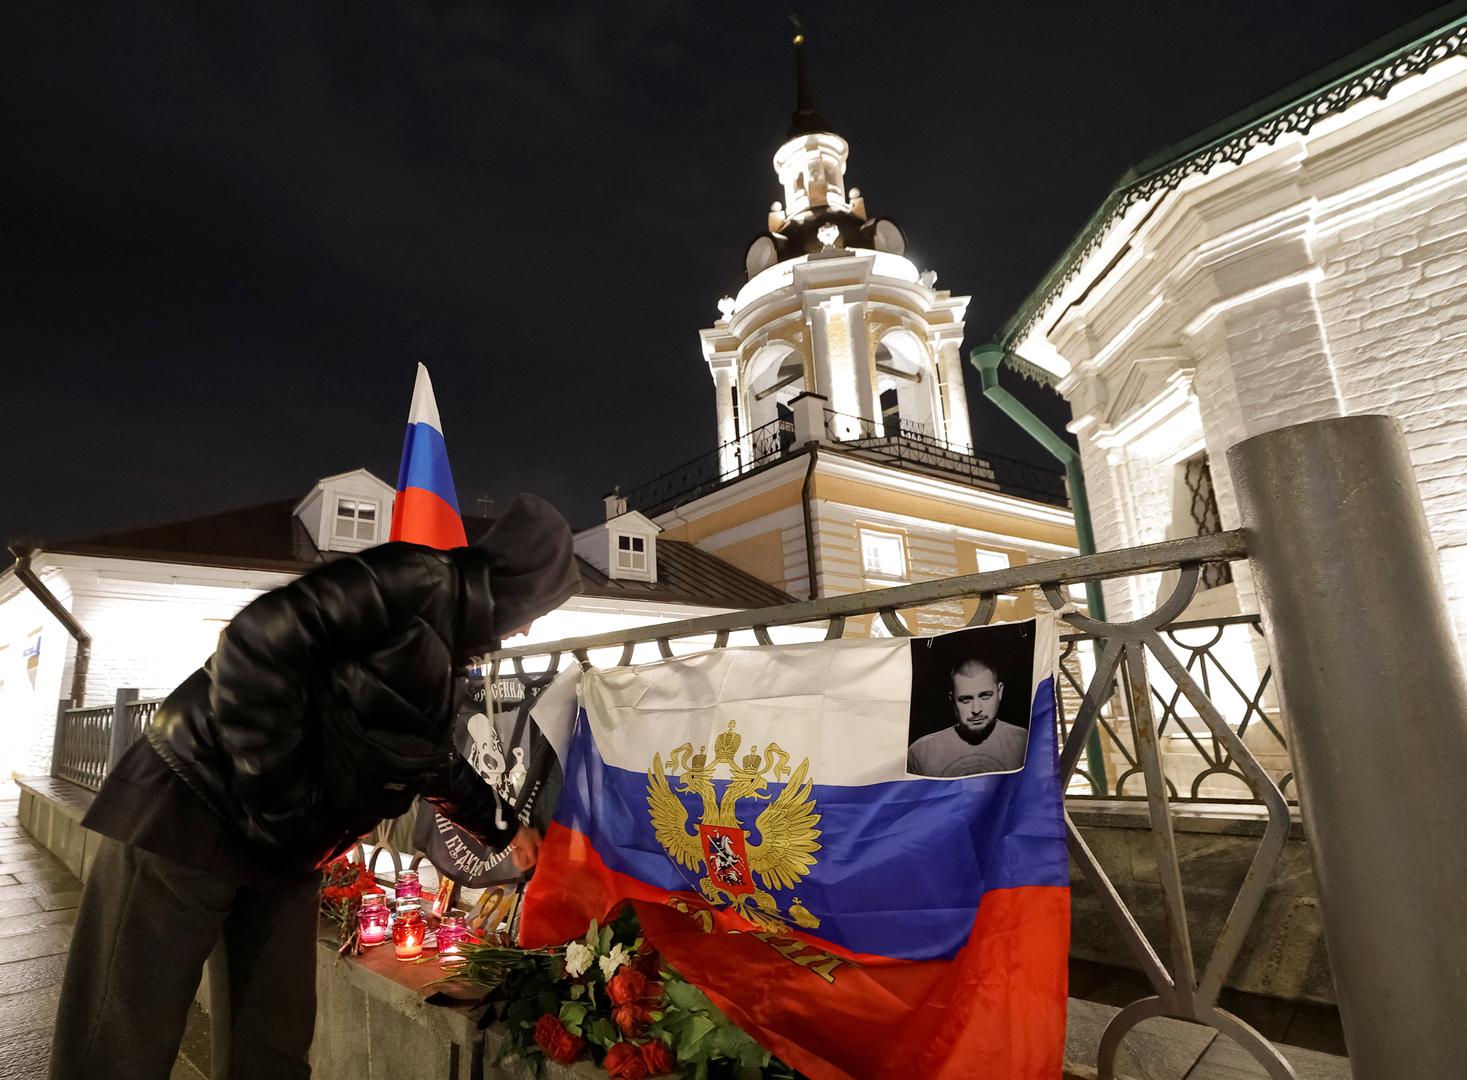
1206	520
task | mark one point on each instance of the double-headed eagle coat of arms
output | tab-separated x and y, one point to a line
786	827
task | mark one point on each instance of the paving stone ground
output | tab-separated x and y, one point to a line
38	900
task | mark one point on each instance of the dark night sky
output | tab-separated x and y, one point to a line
229	232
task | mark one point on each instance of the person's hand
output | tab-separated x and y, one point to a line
524	849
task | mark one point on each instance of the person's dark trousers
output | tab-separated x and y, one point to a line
144	929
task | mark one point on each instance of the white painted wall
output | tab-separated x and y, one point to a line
1324	276
28	697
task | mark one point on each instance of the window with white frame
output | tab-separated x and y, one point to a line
988	561
356	519
631	553
883	554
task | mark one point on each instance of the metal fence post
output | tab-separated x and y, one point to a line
1373	688
58	740
121	725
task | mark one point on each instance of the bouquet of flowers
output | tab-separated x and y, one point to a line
610	998
342	884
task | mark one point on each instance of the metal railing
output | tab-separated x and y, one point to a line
83	745
911	445
764	445
89	741
139	716
1116	683
1228	659
904	443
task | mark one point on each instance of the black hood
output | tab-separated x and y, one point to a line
532	563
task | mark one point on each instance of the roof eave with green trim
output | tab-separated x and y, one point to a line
1370	71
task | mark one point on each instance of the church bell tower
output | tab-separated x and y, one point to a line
836	335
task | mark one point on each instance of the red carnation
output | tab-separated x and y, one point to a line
626	986
632	1018
659	1058
648	961
629	985
624	1062
558	1044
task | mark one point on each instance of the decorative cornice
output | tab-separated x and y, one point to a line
1377	80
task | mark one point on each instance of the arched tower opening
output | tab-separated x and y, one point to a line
906	386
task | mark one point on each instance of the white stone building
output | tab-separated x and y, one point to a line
154	600
1305	258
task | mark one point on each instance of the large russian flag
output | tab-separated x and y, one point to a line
859	920
425	510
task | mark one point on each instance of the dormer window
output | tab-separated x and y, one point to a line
624	546
631	554
343	513
356	519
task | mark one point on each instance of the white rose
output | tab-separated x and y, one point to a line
577	958
613	960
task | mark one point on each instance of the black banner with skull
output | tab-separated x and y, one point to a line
496	732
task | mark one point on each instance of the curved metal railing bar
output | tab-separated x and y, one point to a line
1179	991
893	623
983	613
1150	558
1216	675
1270	848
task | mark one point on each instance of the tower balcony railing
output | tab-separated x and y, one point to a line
906	444
765	445
910	444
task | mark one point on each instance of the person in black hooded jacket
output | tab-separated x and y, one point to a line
327	707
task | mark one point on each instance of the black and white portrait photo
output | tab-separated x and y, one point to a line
970	701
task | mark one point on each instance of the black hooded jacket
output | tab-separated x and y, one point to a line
329	705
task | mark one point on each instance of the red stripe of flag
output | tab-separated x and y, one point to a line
996	1009
422	517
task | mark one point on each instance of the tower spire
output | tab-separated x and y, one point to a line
806	119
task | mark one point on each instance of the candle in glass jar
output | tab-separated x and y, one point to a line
407	886
408	930
453	934
372	918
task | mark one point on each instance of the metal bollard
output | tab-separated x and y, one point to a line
1372	687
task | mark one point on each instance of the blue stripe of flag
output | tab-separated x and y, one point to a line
425	464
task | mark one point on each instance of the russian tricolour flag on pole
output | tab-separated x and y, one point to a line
855	848
426	508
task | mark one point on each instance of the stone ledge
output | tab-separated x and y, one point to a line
410	1039
69	799
1222	818
373	1023
1164	1049
51	811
